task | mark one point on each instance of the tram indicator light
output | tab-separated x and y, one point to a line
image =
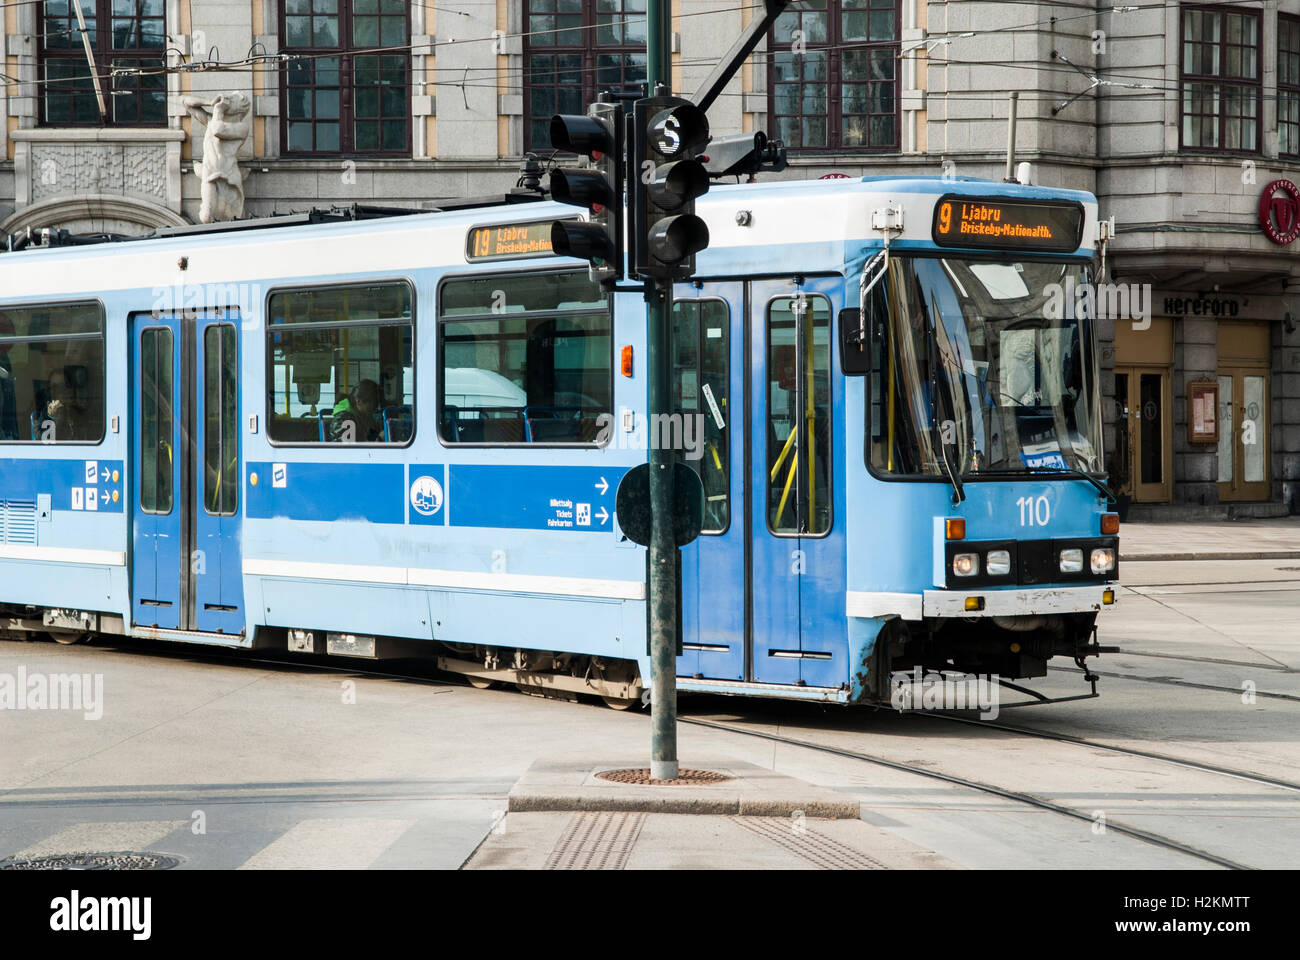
599	241
1110	523
954	528
997	223
668	137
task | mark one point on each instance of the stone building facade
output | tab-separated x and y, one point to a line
1178	116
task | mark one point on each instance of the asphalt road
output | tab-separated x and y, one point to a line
235	764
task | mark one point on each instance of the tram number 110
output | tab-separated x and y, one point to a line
1034	512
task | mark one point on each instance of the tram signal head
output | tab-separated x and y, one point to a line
598	240
669	135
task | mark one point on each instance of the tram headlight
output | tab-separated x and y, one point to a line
1072	560
1103	560
997	563
966	564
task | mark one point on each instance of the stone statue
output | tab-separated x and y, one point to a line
228	126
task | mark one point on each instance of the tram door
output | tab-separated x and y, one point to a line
708	392
186	569
798	579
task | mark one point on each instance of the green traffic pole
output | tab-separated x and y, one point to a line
663	549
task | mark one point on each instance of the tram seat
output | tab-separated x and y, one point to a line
397	424
502	430
296	430
544	424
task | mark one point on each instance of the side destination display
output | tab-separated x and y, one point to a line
509	241
994	223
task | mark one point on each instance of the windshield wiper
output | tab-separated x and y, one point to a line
1075	471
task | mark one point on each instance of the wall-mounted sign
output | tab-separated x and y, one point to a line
1279	211
1201	307
1203	412
1000	224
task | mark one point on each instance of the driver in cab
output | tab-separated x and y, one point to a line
354	416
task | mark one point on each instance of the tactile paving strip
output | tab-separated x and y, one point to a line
596	841
807	844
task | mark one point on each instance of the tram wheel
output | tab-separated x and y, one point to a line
68	639
482	683
618	703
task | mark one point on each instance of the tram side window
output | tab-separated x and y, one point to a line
524	359
700	384
52	374
342	365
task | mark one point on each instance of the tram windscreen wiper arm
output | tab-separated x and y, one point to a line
1082	474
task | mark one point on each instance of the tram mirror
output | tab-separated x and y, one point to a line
855	346
632	505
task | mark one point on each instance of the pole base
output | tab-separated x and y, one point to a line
663	769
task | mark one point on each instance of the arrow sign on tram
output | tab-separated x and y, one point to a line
603	486
603	515
105	475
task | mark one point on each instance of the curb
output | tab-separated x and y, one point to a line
1213	555
702	806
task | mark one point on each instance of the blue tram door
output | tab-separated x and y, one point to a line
709	393
186	569
798	622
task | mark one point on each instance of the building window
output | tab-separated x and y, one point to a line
574	49
125	36
345	96
1221	85
1288	85
833	80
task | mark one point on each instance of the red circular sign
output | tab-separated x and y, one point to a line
1279	211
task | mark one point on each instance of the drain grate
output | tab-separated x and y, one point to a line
596	841
807	844
641	775
93	861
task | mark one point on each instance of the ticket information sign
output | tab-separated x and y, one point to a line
509	241
995	223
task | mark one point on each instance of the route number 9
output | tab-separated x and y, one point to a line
1034	512
945	217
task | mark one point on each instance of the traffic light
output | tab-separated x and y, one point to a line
668	133
599	241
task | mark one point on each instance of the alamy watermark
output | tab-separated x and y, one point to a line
663	431
53	691
920	690
1102	301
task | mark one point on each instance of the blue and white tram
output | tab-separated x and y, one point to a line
403	436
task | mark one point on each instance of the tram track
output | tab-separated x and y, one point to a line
1124	751
1136	833
1176	682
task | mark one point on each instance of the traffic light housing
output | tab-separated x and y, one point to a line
667	134
599	241
744	155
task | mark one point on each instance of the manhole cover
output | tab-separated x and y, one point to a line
641	775
93	861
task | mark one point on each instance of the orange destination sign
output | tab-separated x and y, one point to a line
509	241
996	223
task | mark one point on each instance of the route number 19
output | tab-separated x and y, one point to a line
1034	512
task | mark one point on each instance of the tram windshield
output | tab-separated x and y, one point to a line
982	367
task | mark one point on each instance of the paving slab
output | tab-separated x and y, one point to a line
1274	539
561	785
